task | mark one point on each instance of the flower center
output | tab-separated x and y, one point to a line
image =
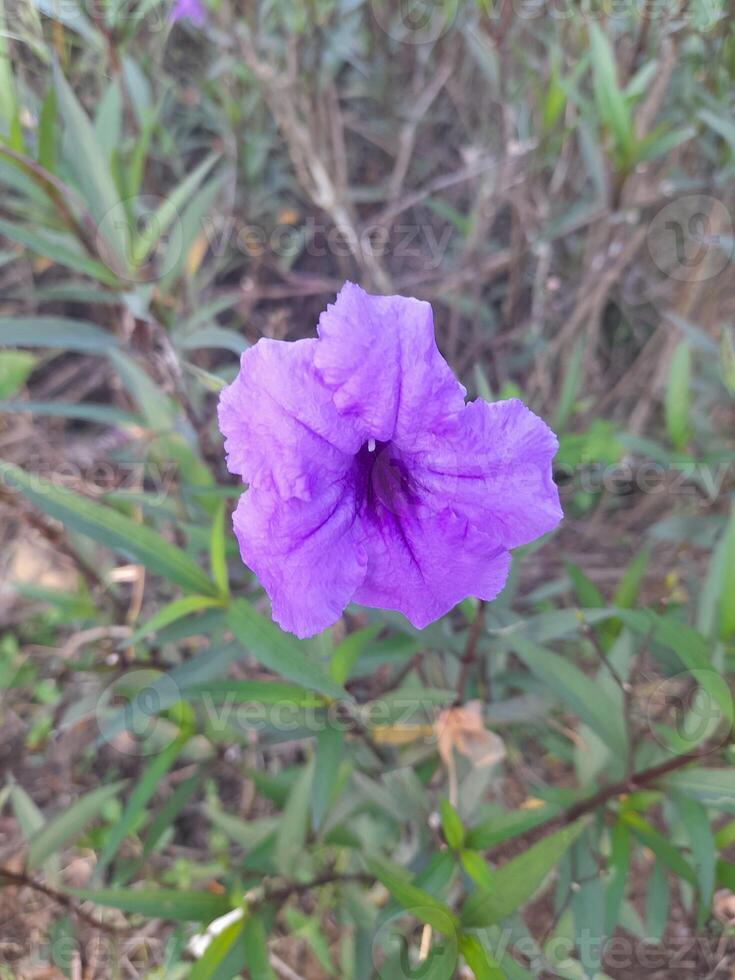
382	478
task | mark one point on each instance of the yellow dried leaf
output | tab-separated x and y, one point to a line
196	253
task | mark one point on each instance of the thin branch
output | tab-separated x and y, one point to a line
639	780
21	880
469	657
282	893
604	659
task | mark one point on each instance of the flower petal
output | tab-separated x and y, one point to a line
424	563
493	465
308	555
379	356
280	424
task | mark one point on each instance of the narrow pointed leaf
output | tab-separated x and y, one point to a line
518	880
111	529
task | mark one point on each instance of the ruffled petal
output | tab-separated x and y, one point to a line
492	464
422	564
309	556
280	423
379	356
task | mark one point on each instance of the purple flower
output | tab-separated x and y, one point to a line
370	478
193	10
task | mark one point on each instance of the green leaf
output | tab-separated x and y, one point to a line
15	367
263	692
159	223
711	594
570	386
713	788
701	844
583	695
164	690
329	749
246	833
217	338
208	381
30	820
308	928
727	359
629	585
478	959
349	651
481	383
159	903
174	258
610	100
146	785
657	903
177	609
53	247
256	944
725	836
110	529
691	649
505	826
55	331
69	823
726	875
171	808
29	817
74	17
84	411
721	125
587	901
678	397
553	101
518	880
108	119
585	590
155	407
225	956
293	826
278	651
218	552
451	824
8	107
727	590
47	132
476	867
418	902
661	141
93	177
664	850
618	866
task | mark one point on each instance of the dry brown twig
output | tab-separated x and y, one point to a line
21	880
407	136
322	175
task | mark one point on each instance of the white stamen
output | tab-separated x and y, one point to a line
371	445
